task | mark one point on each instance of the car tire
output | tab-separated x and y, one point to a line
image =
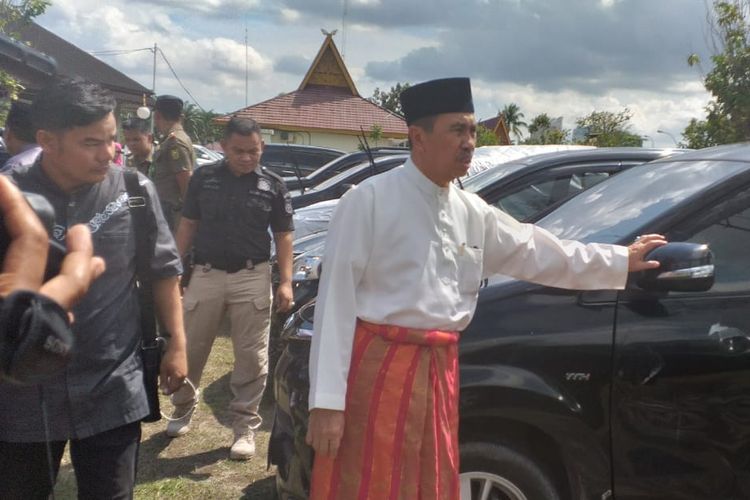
509	473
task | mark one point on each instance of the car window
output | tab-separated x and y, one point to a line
485	178
357	174
726	230
318	159
584	180
615	209
527	201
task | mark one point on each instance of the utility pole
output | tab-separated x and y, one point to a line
671	136
153	81
246	69
343	28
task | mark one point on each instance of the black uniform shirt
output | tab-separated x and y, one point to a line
102	387
234	214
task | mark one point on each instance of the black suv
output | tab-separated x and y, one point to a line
292	160
336	186
337	166
638	394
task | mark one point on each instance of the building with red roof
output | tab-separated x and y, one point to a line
326	110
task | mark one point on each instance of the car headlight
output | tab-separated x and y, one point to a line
306	267
288	322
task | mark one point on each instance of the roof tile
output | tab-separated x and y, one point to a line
324	107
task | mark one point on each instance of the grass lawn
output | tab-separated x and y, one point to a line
197	466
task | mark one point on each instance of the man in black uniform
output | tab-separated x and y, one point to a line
228	209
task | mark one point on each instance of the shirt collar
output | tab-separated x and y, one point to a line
225	165
422	182
37	172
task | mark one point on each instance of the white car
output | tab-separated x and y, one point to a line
204	156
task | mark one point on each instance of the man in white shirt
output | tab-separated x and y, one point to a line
404	258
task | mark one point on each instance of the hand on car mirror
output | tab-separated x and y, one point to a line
638	250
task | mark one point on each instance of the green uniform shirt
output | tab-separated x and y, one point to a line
175	155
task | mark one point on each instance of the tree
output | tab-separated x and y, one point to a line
513	119
539	123
607	129
13	15
485	137
389	99
541	131
376	134
200	125
728	113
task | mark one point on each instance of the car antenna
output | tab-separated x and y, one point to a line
366	146
296	169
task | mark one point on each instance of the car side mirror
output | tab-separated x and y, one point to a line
685	267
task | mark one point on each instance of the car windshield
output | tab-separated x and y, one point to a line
314	241
334	166
312	219
618	207
479	181
345	176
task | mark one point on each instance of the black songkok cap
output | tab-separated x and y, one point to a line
447	95
169	104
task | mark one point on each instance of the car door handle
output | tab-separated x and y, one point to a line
731	339
736	344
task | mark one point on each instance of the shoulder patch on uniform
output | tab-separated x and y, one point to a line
272	175
288	207
175	154
264	184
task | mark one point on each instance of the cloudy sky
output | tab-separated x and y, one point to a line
563	57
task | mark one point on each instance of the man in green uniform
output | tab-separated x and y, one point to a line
173	162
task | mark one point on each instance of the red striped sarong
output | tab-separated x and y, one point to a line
401	419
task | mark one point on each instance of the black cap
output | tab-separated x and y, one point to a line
169	104
447	95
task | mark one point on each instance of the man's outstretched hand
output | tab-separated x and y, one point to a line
638	250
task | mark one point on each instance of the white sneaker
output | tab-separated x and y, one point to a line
180	423
243	447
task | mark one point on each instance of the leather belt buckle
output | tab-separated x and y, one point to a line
249	265
206	267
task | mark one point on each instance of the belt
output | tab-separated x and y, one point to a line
231	267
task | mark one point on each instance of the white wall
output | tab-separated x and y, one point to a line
327	140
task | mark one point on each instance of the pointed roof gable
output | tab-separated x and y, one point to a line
326	101
497	125
328	69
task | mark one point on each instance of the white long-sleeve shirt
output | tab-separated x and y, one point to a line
403	251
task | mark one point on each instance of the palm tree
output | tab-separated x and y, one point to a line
513	119
539	123
199	124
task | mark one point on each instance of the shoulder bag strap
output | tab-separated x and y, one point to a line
138	205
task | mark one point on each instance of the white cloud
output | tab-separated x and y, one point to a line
651	110
290	15
561	60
